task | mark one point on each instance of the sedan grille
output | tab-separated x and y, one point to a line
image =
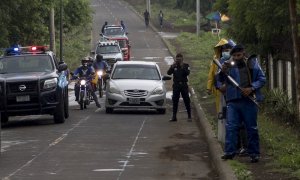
136	93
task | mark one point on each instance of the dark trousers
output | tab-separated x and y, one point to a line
238	111
182	89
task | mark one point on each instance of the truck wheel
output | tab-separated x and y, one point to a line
109	110
4	118
66	105
59	114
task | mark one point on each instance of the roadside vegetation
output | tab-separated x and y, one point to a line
279	132
27	23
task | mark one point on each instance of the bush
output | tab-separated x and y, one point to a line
279	104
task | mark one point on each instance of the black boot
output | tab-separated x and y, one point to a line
189	116
173	119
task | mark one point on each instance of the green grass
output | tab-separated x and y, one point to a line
282	143
240	170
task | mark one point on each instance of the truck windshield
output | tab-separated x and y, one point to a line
21	64
108	49
122	43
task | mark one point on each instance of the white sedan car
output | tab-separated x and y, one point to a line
136	85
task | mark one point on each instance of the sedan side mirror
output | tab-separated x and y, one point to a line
165	78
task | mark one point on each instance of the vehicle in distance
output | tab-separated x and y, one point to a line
110	50
136	85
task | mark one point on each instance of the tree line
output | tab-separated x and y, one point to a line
27	22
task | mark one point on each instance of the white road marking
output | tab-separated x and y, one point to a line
131	150
7	144
107	170
169	60
151	58
46	149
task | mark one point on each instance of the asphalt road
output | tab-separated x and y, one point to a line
94	145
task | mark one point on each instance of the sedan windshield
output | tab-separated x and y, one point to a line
146	72
21	64
107	49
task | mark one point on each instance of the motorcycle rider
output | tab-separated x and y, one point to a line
100	63
86	72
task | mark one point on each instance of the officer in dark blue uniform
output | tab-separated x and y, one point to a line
180	73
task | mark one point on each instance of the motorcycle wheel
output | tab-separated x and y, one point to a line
81	101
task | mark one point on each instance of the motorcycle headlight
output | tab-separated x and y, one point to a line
114	90
82	82
50	83
100	73
158	90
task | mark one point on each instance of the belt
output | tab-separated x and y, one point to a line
180	82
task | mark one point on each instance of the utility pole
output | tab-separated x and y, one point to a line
198	17
148	4
294	26
61	32
52	30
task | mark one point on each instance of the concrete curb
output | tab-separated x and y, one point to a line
215	149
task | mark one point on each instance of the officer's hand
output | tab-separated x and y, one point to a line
225	68
246	91
223	88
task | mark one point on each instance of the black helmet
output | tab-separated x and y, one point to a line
99	57
85	61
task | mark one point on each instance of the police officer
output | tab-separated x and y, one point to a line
180	73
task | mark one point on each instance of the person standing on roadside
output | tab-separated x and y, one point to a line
180	73
240	108
147	17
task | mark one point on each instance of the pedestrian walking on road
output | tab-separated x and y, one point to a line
160	18
147	17
180	73
240	108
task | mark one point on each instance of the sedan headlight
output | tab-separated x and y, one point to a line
114	90
82	82
50	83
158	90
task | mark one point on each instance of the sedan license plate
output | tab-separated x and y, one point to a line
134	101
22	98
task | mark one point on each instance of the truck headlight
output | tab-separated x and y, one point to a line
50	83
158	90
